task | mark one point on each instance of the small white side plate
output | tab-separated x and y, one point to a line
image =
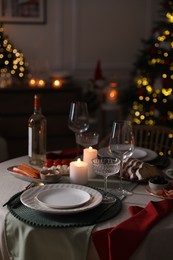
63	198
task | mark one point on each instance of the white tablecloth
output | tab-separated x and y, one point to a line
157	245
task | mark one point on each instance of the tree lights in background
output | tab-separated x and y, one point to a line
12	63
151	90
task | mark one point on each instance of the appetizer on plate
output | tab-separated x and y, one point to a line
52	170
26	170
160	187
60	165
137	170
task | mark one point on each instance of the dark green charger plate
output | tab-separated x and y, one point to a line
90	217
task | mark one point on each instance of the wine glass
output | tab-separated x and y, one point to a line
87	139
121	145
106	167
78	120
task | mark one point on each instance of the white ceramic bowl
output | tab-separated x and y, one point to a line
158	183
50	175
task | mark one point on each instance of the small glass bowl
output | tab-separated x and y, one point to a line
106	166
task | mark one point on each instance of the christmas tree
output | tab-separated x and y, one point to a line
11	60
151	88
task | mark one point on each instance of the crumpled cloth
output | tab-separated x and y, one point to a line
67	153
131	232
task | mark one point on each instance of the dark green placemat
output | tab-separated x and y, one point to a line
85	218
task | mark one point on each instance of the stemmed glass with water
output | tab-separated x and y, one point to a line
78	120
121	145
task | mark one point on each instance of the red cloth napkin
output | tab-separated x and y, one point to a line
67	153
109	242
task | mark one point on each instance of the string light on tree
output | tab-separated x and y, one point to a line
151	88
11	59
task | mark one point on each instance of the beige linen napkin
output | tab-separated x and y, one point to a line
25	242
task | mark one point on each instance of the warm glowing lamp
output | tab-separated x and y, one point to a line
57	83
112	93
41	83
32	83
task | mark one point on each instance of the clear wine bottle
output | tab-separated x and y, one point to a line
37	131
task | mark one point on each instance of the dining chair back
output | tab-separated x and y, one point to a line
157	138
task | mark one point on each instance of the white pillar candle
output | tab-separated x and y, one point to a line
79	172
88	155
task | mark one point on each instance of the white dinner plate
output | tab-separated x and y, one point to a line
30	179
141	153
29	198
63	198
151	155
169	173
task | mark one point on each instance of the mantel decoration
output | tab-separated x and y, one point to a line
36	83
13	67
56	80
94	94
111	93
151	88
60	78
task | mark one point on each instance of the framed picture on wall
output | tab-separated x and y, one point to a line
23	11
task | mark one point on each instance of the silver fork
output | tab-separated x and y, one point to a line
32	184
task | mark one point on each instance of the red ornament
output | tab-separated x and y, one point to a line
163	119
140	92
98	72
153	107
167	62
166	82
153	50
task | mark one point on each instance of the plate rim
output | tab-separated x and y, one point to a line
148	189
32	203
168	175
144	159
139	149
67	206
